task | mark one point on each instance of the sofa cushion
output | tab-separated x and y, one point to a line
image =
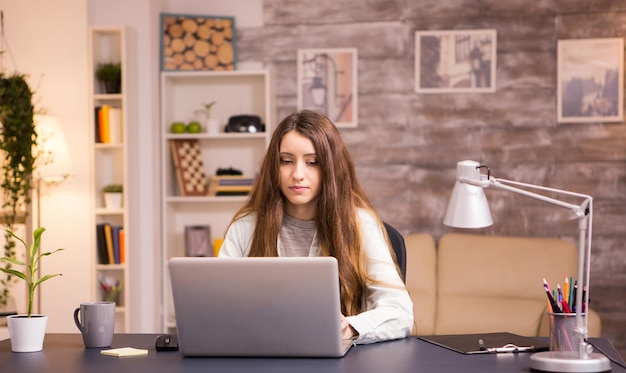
494	283
421	263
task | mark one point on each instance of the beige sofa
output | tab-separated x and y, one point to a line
471	283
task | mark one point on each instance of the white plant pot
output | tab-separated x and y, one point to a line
27	334
113	200
213	125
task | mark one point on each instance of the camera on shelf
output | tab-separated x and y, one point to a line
244	123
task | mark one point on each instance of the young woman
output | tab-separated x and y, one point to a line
308	202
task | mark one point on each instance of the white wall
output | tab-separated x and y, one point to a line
48	40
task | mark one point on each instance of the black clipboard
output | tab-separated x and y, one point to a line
501	342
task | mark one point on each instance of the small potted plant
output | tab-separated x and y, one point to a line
213	124
27	331
110	75
113	196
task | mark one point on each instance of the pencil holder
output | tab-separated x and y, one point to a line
562	337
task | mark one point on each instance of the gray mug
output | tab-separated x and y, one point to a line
96	321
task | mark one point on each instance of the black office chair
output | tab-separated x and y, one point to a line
398	246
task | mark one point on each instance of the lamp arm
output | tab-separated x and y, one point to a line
582	212
579	210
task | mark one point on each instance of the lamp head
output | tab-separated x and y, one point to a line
468	207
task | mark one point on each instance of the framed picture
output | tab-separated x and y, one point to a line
455	61
327	83
590	80
198	240
194	42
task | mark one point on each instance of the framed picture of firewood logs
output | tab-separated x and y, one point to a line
455	61
195	42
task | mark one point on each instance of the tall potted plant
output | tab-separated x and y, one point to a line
18	139
27	331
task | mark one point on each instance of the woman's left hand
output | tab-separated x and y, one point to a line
347	332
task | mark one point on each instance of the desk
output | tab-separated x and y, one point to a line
65	353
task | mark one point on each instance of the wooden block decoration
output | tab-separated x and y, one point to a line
190	173
194	42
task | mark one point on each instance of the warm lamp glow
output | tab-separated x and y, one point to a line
54	163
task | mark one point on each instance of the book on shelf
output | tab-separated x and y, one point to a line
96	122
122	246
115	125
108	124
231	180
110	244
103	256
115	230
230	185
103	120
108	236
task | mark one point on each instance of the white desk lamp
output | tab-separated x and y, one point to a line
468	208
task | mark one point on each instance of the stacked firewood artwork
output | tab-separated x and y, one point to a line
198	43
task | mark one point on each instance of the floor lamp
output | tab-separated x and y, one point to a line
53	166
468	208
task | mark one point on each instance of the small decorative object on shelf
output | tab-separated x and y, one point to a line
198	240
212	124
189	167
110	75
111	289
113	196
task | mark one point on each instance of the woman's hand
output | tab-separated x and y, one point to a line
347	332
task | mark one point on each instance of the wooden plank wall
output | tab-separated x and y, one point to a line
406	145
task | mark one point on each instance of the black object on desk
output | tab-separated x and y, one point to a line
166	342
483	343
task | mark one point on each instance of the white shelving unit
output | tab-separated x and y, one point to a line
109	164
183	94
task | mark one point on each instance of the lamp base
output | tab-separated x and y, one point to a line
569	362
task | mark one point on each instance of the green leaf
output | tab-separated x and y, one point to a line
14	273
44	278
13	261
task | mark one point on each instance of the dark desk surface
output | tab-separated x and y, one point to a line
65	353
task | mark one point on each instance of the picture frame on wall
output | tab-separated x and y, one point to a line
590	80
327	83
197	42
455	61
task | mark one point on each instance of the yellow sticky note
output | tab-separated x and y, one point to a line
124	351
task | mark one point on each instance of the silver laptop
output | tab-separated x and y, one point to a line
278	307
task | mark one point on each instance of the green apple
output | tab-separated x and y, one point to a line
178	127
194	127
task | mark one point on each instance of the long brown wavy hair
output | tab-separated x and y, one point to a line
336	216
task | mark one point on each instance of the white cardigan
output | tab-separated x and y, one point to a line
388	308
